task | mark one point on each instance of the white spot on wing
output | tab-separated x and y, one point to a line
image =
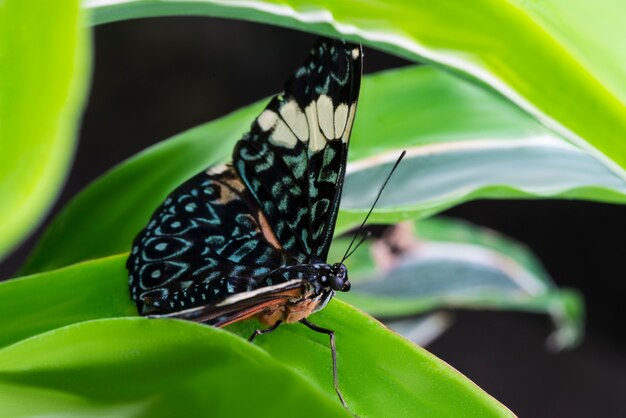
267	120
316	138
218	169
282	135
295	119
355	53
325	116
346	133
341	117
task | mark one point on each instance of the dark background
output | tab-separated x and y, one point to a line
155	78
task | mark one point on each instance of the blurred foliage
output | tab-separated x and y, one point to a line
448	264
39	109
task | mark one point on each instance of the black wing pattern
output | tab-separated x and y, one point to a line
223	231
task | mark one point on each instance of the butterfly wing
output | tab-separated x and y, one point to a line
294	157
208	240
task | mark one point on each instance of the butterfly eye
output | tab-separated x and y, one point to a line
339	278
336	282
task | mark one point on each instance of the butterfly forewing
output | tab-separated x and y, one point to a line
224	231
293	160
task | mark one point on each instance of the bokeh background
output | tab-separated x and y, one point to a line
154	78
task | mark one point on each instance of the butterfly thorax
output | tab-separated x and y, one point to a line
319	283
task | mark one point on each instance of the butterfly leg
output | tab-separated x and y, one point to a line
333	350
264	331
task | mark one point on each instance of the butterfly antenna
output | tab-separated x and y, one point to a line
346	255
356	247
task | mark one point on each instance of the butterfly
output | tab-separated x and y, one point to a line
251	238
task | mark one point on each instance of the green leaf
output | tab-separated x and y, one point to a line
432	178
561	60
452	264
81	292
463	144
143	367
44	63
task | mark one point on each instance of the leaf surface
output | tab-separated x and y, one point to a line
143	367
44	67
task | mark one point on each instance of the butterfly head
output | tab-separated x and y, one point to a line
338	279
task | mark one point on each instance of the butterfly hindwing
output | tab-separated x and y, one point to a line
208	240
293	159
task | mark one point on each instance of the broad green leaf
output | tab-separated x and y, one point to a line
439	263
432	178
590	31
561	60
77	293
138	367
133	367
43	72
463	143
381	373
